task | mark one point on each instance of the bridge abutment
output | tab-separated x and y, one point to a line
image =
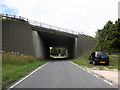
17	37
20	36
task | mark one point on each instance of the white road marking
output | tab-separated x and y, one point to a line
84	69
89	72
95	75
76	65
26	76
108	82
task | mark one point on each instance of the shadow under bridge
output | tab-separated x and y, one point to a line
52	38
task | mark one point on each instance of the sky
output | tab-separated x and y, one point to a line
86	16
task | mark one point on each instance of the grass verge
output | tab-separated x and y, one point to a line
83	61
16	66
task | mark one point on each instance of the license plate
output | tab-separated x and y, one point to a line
102	62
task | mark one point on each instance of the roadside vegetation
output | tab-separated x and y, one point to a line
55	51
52	56
108	40
83	61
16	66
0	78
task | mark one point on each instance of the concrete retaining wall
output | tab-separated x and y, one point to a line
0	34
18	36
84	44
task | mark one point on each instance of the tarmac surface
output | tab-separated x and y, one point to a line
63	74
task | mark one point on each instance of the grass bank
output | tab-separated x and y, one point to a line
83	61
16	66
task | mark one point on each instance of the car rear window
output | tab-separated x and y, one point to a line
101	54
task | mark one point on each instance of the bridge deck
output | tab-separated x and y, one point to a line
43	29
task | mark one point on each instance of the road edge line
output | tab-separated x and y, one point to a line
89	72
104	79
95	75
77	65
108	82
27	76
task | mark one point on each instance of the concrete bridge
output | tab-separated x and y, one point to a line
34	38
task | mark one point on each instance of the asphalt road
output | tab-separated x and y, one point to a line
62	74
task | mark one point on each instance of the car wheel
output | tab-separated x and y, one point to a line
94	63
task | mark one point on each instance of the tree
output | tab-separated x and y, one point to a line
109	37
55	51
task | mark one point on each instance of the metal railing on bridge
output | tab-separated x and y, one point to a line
40	24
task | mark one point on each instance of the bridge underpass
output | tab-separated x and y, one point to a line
53	38
57	40
19	35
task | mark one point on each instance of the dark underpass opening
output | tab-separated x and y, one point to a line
58	45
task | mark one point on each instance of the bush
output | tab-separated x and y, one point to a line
17	59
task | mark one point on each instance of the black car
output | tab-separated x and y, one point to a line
99	57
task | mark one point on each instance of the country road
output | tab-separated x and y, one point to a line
63	74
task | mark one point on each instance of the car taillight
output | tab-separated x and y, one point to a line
106	54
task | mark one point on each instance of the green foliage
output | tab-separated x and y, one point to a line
56	51
16	66
83	61
108	38
11	59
